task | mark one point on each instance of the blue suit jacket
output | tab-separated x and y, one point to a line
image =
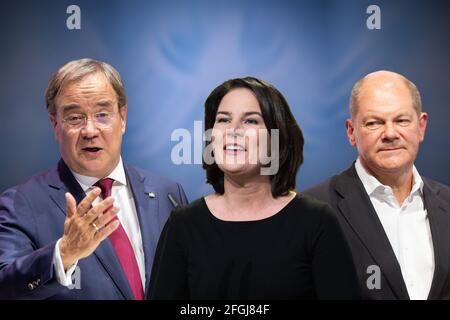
32	220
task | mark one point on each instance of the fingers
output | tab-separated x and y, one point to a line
107	230
101	221
80	234
86	203
71	205
100	208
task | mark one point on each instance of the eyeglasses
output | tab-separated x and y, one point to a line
79	120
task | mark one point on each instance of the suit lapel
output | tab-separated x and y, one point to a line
63	182
66	182
438	217
357	209
146	199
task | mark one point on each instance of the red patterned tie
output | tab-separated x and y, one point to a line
123	248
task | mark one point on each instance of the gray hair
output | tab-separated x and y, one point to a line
77	70
356	90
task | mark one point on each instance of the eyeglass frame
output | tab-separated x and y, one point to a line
92	117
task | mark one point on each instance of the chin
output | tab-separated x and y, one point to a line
230	169
240	170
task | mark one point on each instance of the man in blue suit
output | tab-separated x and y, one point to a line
88	227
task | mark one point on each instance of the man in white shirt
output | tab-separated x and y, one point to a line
88	227
397	223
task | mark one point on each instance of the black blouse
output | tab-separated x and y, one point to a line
298	253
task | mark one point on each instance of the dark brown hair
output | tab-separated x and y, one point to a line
277	115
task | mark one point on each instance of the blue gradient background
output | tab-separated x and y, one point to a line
171	54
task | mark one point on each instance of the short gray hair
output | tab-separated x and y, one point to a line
77	70
356	90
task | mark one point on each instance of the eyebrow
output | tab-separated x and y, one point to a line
370	115
245	114
70	107
73	106
105	103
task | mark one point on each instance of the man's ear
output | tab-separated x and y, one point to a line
52	118
423	125
54	122
123	117
350	132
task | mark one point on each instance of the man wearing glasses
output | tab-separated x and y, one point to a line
397	223
87	228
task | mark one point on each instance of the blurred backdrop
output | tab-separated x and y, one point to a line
171	54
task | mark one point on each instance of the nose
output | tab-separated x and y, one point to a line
235	132
234	129
90	129
390	132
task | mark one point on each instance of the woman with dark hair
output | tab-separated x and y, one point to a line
255	237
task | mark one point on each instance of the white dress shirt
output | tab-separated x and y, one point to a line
121	192
407	228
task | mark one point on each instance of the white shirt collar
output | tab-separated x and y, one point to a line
118	174
371	183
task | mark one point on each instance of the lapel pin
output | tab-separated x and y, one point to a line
151	195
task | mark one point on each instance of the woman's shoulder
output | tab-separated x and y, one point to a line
310	203
316	217
193	210
312	208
